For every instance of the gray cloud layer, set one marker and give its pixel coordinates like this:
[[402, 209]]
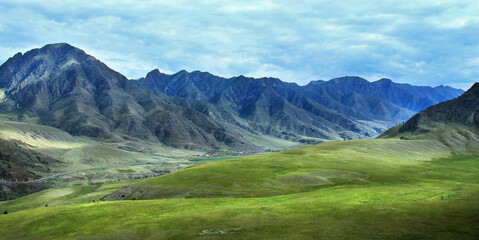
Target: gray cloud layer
[[419, 42]]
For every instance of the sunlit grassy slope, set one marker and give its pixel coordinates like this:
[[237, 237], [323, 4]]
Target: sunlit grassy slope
[[363, 189], [304, 169], [98, 161], [64, 196]]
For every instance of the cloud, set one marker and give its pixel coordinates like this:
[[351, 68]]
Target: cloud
[[254, 6], [423, 43]]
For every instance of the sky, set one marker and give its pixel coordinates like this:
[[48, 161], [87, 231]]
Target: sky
[[427, 42]]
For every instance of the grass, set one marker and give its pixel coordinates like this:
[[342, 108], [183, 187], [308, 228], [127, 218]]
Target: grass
[[64, 196], [99, 160], [213, 159], [358, 161], [363, 189], [271, 143], [221, 158]]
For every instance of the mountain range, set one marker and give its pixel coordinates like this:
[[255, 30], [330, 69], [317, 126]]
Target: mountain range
[[61, 86]]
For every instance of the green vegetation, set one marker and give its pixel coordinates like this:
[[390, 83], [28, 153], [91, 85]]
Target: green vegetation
[[213, 159], [304, 169], [88, 160], [271, 143], [65, 195], [363, 189]]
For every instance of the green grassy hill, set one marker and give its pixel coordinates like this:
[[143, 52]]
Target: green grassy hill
[[328, 164], [363, 189]]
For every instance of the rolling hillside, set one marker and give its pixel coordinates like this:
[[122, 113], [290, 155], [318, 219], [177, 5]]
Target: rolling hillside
[[333, 190]]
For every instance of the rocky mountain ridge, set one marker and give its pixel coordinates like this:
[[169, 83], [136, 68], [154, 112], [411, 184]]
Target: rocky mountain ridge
[[62, 86]]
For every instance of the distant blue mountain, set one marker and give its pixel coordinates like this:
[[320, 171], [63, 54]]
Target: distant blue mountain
[[347, 107]]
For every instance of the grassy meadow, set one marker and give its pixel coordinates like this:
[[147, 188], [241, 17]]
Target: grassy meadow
[[361, 189]]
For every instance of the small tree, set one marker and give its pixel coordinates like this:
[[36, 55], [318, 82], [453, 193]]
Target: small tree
[[5, 212]]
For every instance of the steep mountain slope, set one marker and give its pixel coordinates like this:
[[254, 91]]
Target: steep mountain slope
[[262, 105], [18, 162], [345, 96], [413, 98], [464, 110], [63, 87], [455, 123], [348, 107]]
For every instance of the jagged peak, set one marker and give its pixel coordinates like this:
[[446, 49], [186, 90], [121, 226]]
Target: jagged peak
[[55, 48], [239, 77], [384, 80], [50, 59], [18, 54], [316, 82], [15, 57], [154, 72], [181, 72], [203, 73], [474, 89]]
